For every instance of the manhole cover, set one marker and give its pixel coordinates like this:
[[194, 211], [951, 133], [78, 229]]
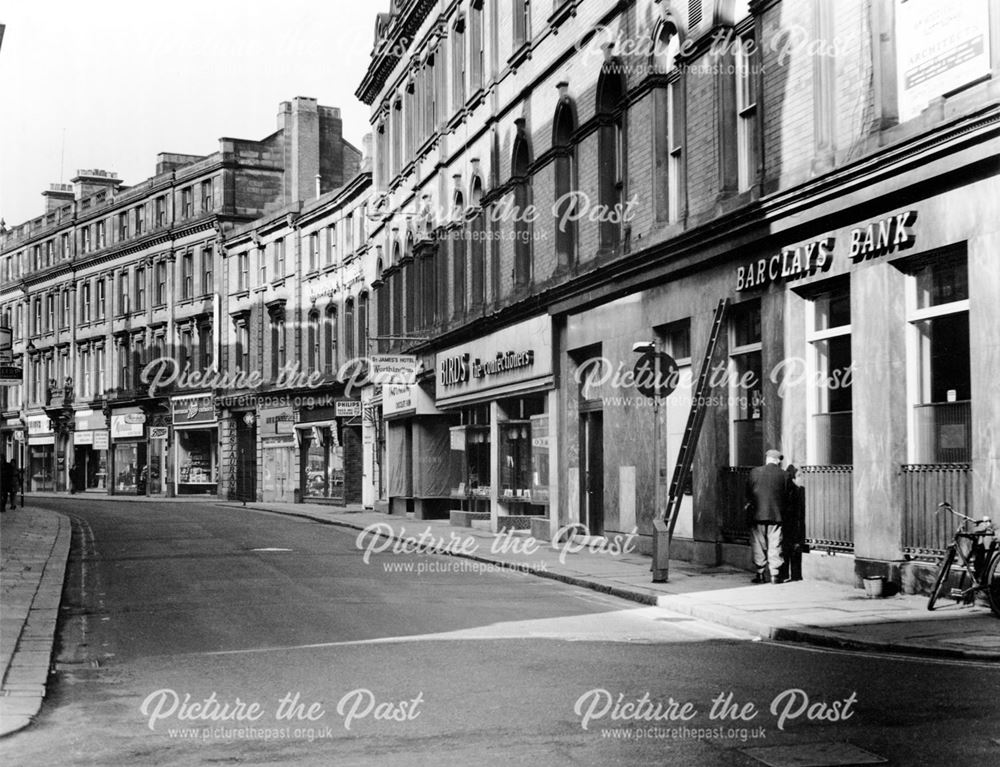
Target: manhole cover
[[813, 755], [269, 548]]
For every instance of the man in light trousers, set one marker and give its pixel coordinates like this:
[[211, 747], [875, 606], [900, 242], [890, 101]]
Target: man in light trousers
[[769, 491]]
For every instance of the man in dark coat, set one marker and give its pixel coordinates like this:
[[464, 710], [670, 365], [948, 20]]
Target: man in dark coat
[[9, 482], [769, 491]]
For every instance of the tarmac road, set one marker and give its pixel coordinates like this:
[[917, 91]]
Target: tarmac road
[[197, 634]]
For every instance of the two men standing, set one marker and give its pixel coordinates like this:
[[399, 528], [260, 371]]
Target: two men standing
[[769, 493]]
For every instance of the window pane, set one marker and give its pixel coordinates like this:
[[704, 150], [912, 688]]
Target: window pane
[[833, 310], [746, 324], [942, 283]]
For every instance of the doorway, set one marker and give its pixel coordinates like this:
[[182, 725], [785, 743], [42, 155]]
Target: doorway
[[592, 470], [245, 481]]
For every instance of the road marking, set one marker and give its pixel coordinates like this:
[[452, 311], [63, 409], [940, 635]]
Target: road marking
[[270, 548]]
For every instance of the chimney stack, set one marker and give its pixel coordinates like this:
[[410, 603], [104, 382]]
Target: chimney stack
[[57, 195], [88, 182]]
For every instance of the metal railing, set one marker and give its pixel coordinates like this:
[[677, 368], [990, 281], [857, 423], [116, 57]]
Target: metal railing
[[927, 534], [829, 506], [735, 525]]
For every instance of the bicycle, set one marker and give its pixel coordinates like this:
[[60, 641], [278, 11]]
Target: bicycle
[[978, 562]]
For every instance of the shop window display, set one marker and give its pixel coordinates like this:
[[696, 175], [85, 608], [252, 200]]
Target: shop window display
[[324, 463], [196, 459], [470, 462]]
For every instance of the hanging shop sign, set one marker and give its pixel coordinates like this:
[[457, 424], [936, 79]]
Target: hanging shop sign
[[159, 432], [347, 408], [277, 420], [393, 369], [129, 426], [100, 440], [90, 420], [511, 359], [400, 401], [873, 240], [199, 408], [39, 424], [83, 438]]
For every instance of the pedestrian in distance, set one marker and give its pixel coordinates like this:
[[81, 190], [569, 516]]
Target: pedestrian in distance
[[768, 492], [9, 482]]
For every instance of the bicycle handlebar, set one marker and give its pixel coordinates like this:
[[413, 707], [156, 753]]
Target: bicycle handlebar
[[948, 507]]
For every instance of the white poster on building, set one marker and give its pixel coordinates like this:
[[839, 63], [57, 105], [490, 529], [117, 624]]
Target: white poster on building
[[940, 47]]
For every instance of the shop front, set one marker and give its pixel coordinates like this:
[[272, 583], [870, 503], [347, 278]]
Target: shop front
[[41, 470], [330, 453], [501, 390], [416, 451], [277, 435], [90, 452], [196, 451], [129, 469]]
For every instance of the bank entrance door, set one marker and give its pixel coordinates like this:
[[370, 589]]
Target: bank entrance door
[[592, 470]]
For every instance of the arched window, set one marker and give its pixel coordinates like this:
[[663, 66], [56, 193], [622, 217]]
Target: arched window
[[396, 292], [312, 342], [410, 287], [349, 330], [476, 229], [382, 309], [330, 343], [611, 152], [563, 126], [363, 324], [669, 131], [457, 236], [520, 162]]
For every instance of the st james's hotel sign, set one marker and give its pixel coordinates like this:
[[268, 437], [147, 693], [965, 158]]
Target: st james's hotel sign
[[873, 240]]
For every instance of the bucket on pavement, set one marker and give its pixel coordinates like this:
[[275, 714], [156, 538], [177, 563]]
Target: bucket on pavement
[[874, 586]]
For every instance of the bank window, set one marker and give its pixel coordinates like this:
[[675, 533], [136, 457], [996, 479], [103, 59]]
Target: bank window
[[65, 314], [746, 392], [50, 313], [187, 201], [676, 338], [940, 373], [828, 333]]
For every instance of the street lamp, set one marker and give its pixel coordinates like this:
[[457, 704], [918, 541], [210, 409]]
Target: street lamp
[[654, 358]]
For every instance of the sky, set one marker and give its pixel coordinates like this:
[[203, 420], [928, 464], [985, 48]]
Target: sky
[[111, 83]]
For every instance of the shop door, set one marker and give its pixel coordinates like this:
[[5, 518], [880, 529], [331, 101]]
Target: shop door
[[592, 471], [245, 481]]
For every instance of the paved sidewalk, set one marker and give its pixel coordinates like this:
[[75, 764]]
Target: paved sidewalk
[[34, 547], [817, 612]]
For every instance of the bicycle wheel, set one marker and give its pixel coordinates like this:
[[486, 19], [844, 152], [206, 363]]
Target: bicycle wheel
[[992, 583], [942, 577]]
